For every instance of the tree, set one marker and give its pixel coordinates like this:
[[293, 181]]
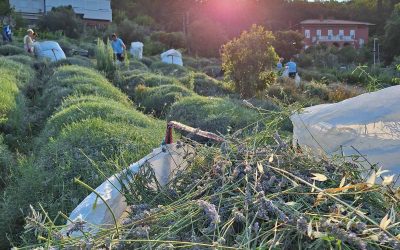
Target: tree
[[62, 19], [206, 38], [248, 61], [5, 8], [288, 43], [392, 35]]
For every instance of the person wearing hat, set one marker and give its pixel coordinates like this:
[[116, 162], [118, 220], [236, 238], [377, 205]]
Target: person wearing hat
[[28, 41], [118, 47]]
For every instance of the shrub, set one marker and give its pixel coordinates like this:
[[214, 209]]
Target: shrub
[[6, 163], [14, 76], [79, 108], [129, 80], [137, 65], [340, 92], [174, 40], [105, 58], [212, 114], [305, 60], [62, 18], [206, 86], [169, 69], [129, 31], [90, 148], [9, 50], [24, 59], [314, 89], [248, 58], [153, 47], [75, 60], [75, 80], [158, 100], [148, 61], [288, 43], [285, 92]]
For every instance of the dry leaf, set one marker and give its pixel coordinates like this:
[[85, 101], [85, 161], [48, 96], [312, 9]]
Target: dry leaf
[[317, 235], [313, 189], [342, 182], [319, 177], [260, 168], [371, 180], [374, 237], [309, 229], [385, 222], [398, 236], [350, 223], [291, 203], [271, 158], [387, 180]]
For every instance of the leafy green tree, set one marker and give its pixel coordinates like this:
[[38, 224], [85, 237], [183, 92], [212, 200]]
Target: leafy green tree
[[206, 38], [5, 8], [62, 19], [288, 43], [392, 35], [248, 61]]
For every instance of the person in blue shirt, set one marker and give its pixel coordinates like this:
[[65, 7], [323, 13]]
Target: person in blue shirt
[[7, 33], [118, 47], [279, 65], [292, 68]]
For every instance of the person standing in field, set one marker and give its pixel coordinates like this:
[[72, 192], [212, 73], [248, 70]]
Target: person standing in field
[[279, 65], [292, 68], [28, 41], [118, 47], [7, 34]]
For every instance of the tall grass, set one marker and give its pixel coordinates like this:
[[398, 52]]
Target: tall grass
[[105, 58]]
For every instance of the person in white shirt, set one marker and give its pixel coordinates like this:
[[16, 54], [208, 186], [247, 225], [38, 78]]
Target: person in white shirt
[[28, 41]]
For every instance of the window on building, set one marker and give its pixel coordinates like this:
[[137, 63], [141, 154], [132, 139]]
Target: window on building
[[318, 33], [361, 42], [330, 34], [307, 33], [352, 34], [341, 34]]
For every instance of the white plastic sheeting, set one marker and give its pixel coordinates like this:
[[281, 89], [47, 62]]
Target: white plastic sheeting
[[369, 123], [172, 57], [137, 50], [165, 161], [50, 50]]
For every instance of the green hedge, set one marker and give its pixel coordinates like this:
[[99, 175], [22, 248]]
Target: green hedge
[[212, 114], [129, 80], [75, 60], [169, 69], [158, 100], [6, 163], [24, 59], [14, 76], [9, 50], [84, 148], [78, 109], [75, 80], [206, 86]]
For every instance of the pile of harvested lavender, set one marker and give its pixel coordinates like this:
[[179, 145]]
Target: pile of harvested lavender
[[242, 196]]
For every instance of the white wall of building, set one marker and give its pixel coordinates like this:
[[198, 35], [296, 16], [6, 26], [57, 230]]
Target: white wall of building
[[90, 9]]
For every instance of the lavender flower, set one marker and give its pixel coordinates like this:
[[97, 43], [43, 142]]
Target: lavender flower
[[210, 211]]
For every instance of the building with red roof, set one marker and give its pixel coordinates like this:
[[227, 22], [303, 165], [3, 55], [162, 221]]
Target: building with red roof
[[338, 33]]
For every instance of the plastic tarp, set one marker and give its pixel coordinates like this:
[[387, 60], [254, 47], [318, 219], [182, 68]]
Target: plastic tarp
[[137, 50], [165, 161], [368, 124], [172, 57], [50, 50]]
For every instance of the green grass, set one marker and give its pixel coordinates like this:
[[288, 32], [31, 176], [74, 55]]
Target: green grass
[[127, 81], [77, 109], [212, 114], [158, 100], [169, 69], [207, 86], [9, 50], [75, 80]]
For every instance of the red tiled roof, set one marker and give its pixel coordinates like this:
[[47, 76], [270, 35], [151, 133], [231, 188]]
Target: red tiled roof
[[333, 22]]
